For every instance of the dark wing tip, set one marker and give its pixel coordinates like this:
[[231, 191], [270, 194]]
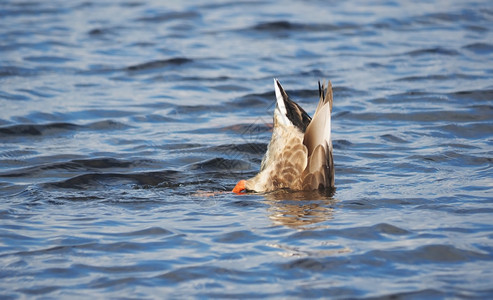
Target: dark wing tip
[[295, 113]]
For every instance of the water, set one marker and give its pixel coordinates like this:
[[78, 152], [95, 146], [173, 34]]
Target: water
[[124, 125]]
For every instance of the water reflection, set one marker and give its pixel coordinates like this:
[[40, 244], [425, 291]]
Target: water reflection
[[299, 209]]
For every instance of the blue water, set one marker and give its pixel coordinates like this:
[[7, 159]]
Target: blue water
[[125, 124]]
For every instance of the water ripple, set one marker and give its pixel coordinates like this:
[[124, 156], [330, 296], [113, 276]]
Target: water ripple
[[125, 125]]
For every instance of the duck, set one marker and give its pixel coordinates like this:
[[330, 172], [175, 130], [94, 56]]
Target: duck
[[299, 155]]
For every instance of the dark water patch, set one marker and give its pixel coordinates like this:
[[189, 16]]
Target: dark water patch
[[45, 45], [41, 117], [36, 93], [18, 154], [157, 103], [200, 109], [12, 237], [437, 50], [411, 97], [301, 265], [229, 4], [48, 59], [315, 73], [390, 229], [199, 272], [441, 77], [265, 101], [394, 24], [375, 232], [103, 163], [182, 146], [52, 250], [107, 283], [170, 16], [36, 130], [39, 290], [271, 96], [471, 130], [149, 232], [142, 44], [78, 198], [233, 295], [473, 211], [459, 146], [60, 273], [345, 92], [230, 88], [12, 96], [248, 129], [220, 163], [31, 9], [419, 294], [394, 139], [475, 28], [6, 71], [77, 165], [56, 128], [480, 48], [250, 133], [464, 16], [283, 25], [101, 113], [455, 158], [115, 247], [221, 78], [104, 32], [153, 118], [234, 149], [341, 144], [131, 4], [159, 64], [97, 31], [236, 237], [106, 125], [124, 195], [144, 267], [430, 254], [360, 204], [246, 203], [475, 95], [100, 69], [321, 291], [190, 87], [278, 25], [104, 116], [431, 116], [168, 179]]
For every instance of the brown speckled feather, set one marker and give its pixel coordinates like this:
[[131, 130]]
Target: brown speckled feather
[[299, 155]]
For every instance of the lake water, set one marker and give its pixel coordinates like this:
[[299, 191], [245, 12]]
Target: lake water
[[125, 124]]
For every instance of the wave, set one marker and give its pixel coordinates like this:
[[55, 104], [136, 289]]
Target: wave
[[158, 64], [54, 128]]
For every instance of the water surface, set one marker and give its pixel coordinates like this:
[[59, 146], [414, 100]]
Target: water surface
[[124, 125]]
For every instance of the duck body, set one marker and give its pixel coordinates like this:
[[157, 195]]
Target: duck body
[[299, 155]]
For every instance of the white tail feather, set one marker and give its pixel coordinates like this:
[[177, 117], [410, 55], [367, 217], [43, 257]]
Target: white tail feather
[[280, 111]]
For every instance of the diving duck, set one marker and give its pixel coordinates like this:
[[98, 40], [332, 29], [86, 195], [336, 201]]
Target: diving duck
[[299, 155]]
